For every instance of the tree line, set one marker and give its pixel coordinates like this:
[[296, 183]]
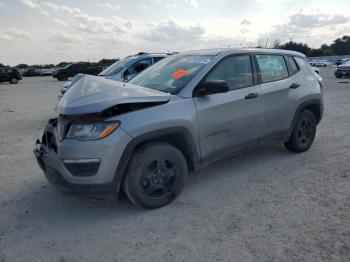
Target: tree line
[[340, 46]]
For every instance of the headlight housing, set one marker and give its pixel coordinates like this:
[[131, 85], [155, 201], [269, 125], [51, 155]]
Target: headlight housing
[[91, 130]]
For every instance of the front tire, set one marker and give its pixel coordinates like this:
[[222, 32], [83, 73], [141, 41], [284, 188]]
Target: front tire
[[303, 134], [62, 77], [155, 176], [13, 80]]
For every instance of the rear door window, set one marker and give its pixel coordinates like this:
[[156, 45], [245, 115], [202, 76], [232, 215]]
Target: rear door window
[[272, 67]]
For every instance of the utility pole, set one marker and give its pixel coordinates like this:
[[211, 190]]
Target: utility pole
[[267, 41]]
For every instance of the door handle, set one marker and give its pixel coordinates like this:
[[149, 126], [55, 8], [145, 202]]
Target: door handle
[[252, 96], [294, 86]]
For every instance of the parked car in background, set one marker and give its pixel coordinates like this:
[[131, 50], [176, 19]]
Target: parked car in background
[[130, 66], [31, 72], [179, 115], [10, 75], [342, 61], [319, 63], [343, 70], [73, 69], [45, 72], [125, 69]]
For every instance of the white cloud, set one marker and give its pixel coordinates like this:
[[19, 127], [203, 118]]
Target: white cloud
[[309, 25], [14, 33], [31, 3], [245, 22], [171, 30], [64, 38], [194, 3], [312, 20], [2, 5], [93, 24], [110, 6], [58, 21], [63, 8]]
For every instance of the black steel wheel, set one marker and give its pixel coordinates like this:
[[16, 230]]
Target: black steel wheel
[[304, 132], [155, 176], [13, 80]]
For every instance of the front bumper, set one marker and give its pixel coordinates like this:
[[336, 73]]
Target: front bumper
[[81, 166]]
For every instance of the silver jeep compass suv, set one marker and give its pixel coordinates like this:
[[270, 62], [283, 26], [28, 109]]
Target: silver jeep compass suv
[[179, 115]]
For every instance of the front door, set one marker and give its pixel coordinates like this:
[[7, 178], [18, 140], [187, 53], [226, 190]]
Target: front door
[[228, 121]]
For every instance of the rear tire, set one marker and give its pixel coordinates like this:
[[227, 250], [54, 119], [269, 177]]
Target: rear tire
[[13, 80], [155, 176], [303, 134]]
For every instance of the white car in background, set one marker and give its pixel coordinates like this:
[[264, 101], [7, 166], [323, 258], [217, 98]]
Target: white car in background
[[319, 63]]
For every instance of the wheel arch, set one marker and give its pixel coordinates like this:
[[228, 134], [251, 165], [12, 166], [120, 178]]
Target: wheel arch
[[179, 137], [314, 105]]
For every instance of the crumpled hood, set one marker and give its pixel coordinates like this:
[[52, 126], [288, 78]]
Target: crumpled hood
[[92, 94]]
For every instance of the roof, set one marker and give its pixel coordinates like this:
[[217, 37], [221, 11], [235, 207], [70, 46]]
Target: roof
[[142, 54], [218, 51]]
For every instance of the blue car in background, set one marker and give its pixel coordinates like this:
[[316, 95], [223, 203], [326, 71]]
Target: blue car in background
[[125, 69]]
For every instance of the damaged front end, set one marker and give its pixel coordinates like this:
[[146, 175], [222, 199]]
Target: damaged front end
[[80, 150]]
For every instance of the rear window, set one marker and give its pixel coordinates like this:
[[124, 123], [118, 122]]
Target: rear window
[[272, 67]]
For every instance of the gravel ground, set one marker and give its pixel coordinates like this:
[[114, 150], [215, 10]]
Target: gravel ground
[[265, 205]]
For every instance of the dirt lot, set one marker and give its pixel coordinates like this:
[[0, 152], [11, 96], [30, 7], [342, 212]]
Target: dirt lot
[[266, 205]]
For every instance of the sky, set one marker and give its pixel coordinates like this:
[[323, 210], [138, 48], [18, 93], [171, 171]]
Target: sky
[[51, 31]]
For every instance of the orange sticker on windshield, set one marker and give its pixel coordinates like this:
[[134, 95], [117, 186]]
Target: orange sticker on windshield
[[179, 73]]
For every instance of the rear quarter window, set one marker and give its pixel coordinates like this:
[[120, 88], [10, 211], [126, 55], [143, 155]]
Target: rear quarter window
[[272, 68], [293, 66]]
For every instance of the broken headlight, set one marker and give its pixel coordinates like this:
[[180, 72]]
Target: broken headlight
[[91, 130]]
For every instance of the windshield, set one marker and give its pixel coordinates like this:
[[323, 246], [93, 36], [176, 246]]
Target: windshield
[[171, 74], [115, 68], [347, 63]]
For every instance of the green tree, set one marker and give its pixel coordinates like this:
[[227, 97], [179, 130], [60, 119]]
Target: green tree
[[107, 62], [294, 46], [22, 66], [341, 46]]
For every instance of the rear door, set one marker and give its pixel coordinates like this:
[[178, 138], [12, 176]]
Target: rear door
[[281, 85], [228, 121]]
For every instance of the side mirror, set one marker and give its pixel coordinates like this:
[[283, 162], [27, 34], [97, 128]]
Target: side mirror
[[211, 87]]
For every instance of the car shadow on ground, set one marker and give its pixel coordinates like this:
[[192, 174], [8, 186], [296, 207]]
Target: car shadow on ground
[[46, 203]]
